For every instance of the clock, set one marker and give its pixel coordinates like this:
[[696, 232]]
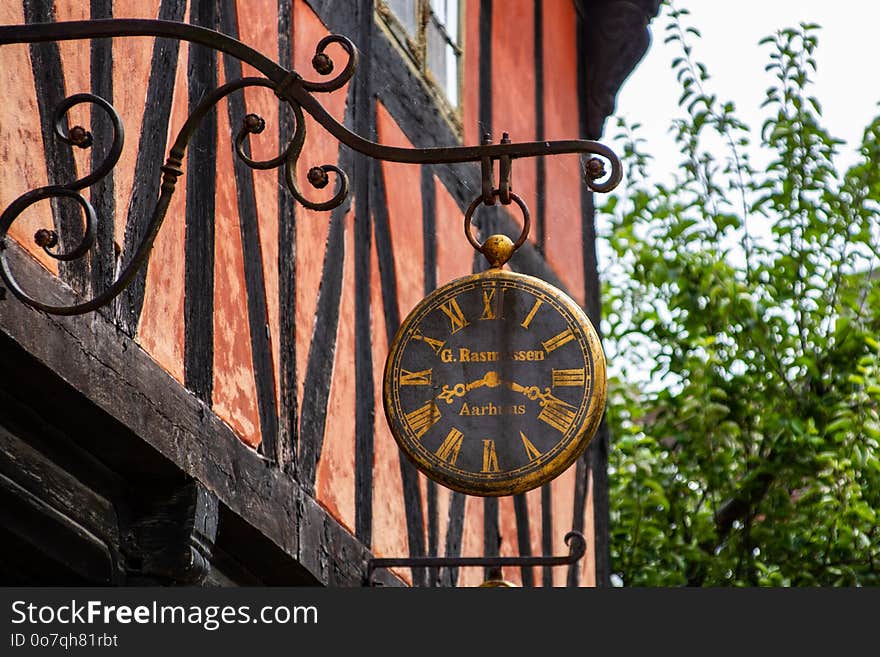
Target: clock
[[495, 383]]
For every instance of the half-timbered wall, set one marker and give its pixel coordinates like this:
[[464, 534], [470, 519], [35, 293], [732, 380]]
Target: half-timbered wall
[[277, 318]]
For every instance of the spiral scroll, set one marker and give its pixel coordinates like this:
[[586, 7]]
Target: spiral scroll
[[252, 124], [47, 238], [287, 85]]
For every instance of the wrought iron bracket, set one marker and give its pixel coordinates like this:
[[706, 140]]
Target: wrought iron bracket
[[575, 540], [288, 85]]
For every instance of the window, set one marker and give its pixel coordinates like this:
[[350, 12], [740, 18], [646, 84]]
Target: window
[[429, 31]]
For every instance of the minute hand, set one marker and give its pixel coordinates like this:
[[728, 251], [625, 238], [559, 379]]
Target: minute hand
[[534, 394]]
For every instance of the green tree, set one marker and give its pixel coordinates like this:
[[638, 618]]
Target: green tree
[[751, 458]]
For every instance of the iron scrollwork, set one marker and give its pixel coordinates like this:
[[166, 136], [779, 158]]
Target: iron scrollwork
[[288, 85], [576, 542]]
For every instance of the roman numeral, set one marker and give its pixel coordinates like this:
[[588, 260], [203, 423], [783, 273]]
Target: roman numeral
[[558, 414], [531, 315], [490, 457], [531, 451], [436, 345], [422, 378], [568, 377], [448, 450], [452, 310], [423, 418], [493, 300], [558, 340]]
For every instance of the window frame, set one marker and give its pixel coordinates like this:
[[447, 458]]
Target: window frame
[[415, 49]]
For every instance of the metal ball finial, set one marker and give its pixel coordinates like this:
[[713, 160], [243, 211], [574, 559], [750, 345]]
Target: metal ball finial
[[498, 249]]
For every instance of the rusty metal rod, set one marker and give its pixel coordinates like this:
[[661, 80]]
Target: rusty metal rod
[[575, 540]]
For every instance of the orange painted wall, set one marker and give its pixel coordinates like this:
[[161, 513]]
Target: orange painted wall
[[335, 484], [319, 148], [161, 329], [404, 201], [235, 396], [513, 88], [21, 143], [389, 519], [258, 28], [470, 104], [563, 236]]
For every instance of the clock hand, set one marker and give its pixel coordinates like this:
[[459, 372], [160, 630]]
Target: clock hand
[[451, 392], [546, 398], [490, 379], [534, 393]]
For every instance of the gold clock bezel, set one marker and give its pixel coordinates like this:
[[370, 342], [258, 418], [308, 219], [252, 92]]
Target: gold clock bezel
[[519, 480]]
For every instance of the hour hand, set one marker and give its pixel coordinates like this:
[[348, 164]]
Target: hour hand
[[490, 379], [449, 393]]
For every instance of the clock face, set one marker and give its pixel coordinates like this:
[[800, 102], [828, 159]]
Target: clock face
[[495, 383]]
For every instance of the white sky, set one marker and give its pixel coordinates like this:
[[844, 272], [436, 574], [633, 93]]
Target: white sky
[[847, 81]]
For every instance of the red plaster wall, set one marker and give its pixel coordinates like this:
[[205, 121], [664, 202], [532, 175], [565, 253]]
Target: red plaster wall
[[319, 148], [131, 73], [513, 90], [454, 259], [404, 201], [21, 143], [470, 97], [258, 28], [161, 329], [235, 396], [564, 241], [335, 478], [389, 516]]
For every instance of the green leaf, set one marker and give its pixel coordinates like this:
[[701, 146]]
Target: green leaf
[[744, 313]]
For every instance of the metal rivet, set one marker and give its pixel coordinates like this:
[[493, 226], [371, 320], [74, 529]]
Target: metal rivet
[[318, 177], [254, 124], [322, 64], [46, 238], [595, 168]]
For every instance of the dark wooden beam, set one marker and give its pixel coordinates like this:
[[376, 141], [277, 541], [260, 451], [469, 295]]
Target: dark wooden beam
[[364, 124], [49, 534], [102, 193], [412, 497], [201, 187], [60, 165], [454, 534], [597, 28], [288, 409], [547, 531], [252, 253], [150, 157], [55, 513], [487, 224], [322, 350], [171, 537], [523, 536], [540, 134], [109, 372], [429, 254], [485, 68], [614, 36]]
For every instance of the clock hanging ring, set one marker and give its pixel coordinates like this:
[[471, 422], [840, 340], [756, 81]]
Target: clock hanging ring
[[495, 382]]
